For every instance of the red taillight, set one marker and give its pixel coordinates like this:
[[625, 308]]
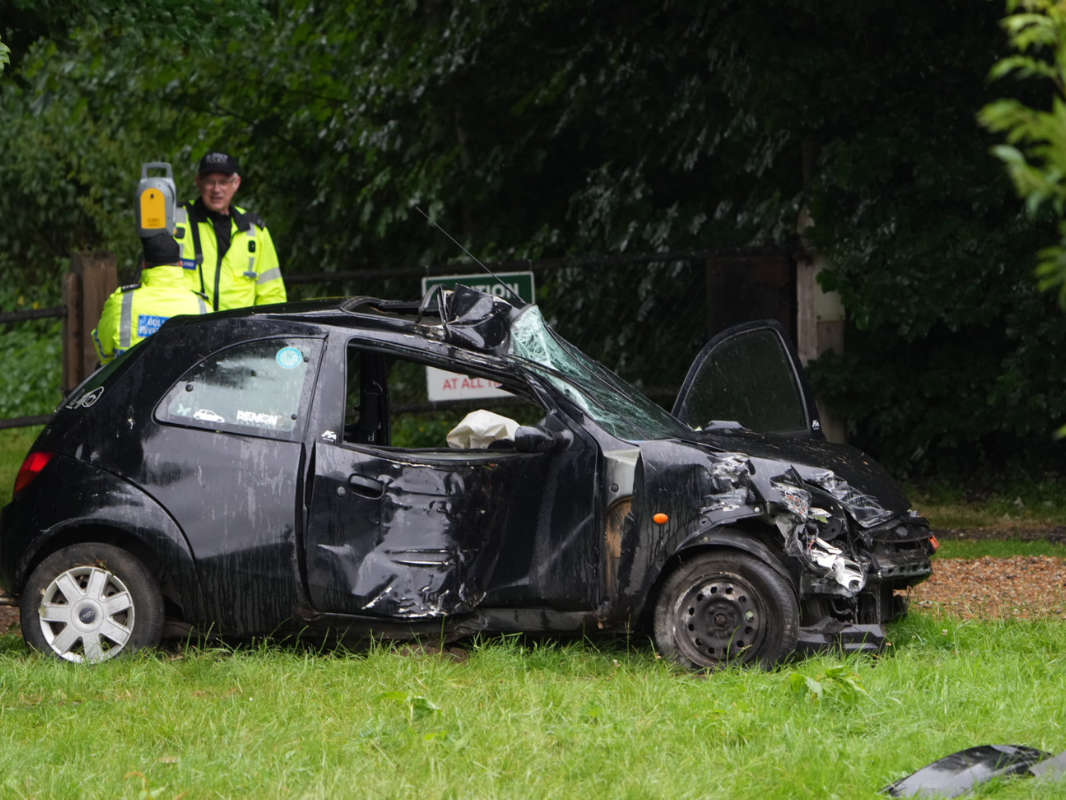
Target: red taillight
[[31, 468], [935, 543]]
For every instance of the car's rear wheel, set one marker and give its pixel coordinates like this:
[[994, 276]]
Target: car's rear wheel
[[725, 607], [90, 602]]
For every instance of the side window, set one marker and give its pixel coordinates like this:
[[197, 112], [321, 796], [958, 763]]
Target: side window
[[388, 403], [261, 387], [747, 378]]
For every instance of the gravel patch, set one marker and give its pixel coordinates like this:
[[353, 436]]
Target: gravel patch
[[1017, 587], [9, 619]]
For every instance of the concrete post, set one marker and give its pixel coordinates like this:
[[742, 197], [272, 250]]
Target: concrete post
[[819, 325]]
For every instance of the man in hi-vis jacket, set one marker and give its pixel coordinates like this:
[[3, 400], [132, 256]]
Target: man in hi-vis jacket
[[227, 252], [135, 312]]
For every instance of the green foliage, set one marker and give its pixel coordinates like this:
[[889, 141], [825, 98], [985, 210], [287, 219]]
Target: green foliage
[[979, 399], [415, 707], [83, 110], [837, 681], [1003, 501], [33, 365], [551, 129], [5, 55], [1035, 153], [427, 429]]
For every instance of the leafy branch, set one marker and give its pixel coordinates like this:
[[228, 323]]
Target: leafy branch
[[1035, 152]]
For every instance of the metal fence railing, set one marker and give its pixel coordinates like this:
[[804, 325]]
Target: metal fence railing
[[11, 317]]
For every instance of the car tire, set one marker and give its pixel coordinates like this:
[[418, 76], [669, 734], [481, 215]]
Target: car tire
[[90, 602], [725, 607]]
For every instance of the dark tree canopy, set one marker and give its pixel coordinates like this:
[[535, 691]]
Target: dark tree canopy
[[556, 128]]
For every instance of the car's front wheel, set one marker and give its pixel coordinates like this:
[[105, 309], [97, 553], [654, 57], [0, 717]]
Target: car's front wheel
[[720, 607], [90, 602]]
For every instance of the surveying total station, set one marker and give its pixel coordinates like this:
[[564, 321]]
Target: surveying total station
[[156, 200]]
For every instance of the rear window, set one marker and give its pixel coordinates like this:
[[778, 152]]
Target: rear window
[[262, 387]]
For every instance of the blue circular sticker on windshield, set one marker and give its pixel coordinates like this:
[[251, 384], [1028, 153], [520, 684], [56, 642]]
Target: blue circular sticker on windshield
[[289, 357]]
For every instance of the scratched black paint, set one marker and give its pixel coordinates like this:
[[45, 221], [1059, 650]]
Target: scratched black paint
[[258, 530]]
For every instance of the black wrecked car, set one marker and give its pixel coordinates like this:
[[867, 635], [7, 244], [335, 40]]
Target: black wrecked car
[[280, 470]]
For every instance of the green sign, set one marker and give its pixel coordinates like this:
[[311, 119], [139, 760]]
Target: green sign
[[521, 283]]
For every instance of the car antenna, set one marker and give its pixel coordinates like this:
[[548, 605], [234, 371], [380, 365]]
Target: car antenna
[[470, 255]]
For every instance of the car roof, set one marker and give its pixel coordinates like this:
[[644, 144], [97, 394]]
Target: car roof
[[464, 317]]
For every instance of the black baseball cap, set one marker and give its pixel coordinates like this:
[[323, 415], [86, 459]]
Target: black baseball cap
[[218, 162], [160, 249]]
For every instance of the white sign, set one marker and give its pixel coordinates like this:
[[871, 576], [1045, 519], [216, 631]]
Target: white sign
[[443, 385]]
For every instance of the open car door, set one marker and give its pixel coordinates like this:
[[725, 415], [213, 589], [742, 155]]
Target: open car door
[[749, 374]]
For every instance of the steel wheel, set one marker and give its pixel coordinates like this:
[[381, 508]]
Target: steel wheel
[[722, 618], [721, 607], [90, 602]]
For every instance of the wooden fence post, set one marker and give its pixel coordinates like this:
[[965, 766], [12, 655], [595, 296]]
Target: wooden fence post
[[72, 331], [92, 277]]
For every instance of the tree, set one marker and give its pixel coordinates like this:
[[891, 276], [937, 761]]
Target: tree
[[556, 128], [1035, 153]]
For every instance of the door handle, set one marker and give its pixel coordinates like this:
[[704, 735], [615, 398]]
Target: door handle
[[367, 487]]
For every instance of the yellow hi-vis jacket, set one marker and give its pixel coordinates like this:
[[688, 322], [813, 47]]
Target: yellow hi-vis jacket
[[248, 273], [135, 312]]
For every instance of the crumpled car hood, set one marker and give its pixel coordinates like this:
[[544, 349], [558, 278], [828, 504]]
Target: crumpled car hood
[[849, 463]]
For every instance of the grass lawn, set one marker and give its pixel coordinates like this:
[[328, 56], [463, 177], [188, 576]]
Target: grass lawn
[[999, 548], [1017, 504], [515, 718], [14, 444], [519, 719]]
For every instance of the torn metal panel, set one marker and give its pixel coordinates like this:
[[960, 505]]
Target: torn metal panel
[[430, 533], [813, 457], [1051, 769], [477, 320], [845, 636], [960, 772], [399, 538]]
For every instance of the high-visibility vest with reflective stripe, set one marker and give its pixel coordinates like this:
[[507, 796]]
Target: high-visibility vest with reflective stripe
[[133, 313], [248, 274]]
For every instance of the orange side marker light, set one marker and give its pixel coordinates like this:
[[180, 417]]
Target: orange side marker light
[[935, 543], [660, 518]]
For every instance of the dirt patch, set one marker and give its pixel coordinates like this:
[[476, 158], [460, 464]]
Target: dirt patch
[[1018, 587], [9, 619]]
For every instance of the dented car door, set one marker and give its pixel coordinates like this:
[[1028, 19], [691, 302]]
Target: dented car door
[[424, 532]]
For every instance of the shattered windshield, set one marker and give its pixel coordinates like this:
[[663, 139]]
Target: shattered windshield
[[621, 409]]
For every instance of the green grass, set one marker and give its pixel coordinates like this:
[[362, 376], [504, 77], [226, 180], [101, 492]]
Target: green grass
[[14, 444], [1015, 503], [524, 720], [999, 548], [518, 719]]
